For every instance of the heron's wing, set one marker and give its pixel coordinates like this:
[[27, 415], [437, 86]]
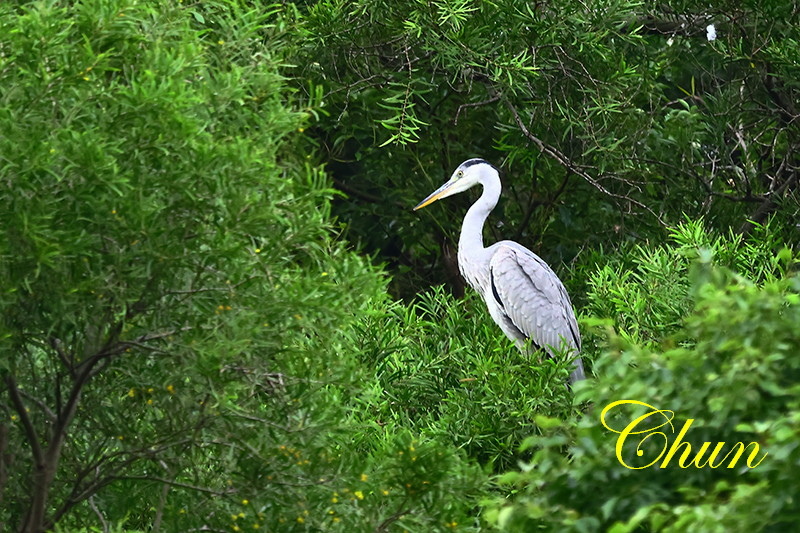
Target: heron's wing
[[532, 297]]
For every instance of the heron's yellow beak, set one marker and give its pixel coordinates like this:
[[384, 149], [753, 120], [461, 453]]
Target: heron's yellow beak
[[439, 193]]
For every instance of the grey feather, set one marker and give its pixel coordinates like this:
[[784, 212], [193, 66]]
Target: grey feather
[[534, 300]]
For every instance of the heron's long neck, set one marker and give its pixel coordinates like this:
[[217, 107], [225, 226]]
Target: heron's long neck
[[472, 228]]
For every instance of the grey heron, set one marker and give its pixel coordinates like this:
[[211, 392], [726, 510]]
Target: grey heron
[[523, 294]]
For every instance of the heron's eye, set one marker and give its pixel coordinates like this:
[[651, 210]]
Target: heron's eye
[[460, 174]]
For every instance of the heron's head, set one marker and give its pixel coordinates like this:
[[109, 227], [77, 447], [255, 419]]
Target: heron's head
[[469, 173]]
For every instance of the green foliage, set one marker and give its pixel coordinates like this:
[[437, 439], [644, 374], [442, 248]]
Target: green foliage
[[174, 309], [729, 363], [187, 344], [646, 293], [443, 368], [611, 120]]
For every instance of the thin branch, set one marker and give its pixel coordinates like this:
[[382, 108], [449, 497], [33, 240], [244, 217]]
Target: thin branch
[[162, 502], [178, 484], [768, 206], [383, 526], [41, 405], [68, 362], [569, 165], [99, 514], [367, 197], [488, 101], [30, 431]]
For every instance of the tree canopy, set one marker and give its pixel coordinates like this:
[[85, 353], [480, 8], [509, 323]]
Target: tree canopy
[[218, 312]]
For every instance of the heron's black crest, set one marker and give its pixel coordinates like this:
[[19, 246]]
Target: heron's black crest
[[477, 161]]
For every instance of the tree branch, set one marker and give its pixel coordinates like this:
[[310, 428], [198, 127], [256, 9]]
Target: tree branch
[[30, 431], [572, 167], [383, 526], [768, 205], [488, 101]]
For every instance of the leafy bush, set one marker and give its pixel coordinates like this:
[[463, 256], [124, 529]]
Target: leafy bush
[[610, 120], [174, 303], [729, 363], [444, 368], [188, 344]]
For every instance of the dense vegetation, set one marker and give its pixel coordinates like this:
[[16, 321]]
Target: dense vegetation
[[218, 313]]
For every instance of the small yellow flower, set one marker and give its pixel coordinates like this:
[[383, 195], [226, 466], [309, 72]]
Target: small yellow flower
[[150, 390], [300, 520], [324, 274], [245, 502], [150, 401], [258, 250], [333, 500], [236, 528], [364, 477], [359, 494], [170, 389], [113, 211], [385, 492], [13, 418], [220, 42], [301, 130], [121, 437], [241, 515], [336, 519], [132, 393]]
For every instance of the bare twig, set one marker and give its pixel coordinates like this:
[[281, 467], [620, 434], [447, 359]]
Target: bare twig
[[172, 483], [99, 514], [383, 526], [162, 501], [41, 405], [572, 167], [488, 101], [768, 205], [30, 431]]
